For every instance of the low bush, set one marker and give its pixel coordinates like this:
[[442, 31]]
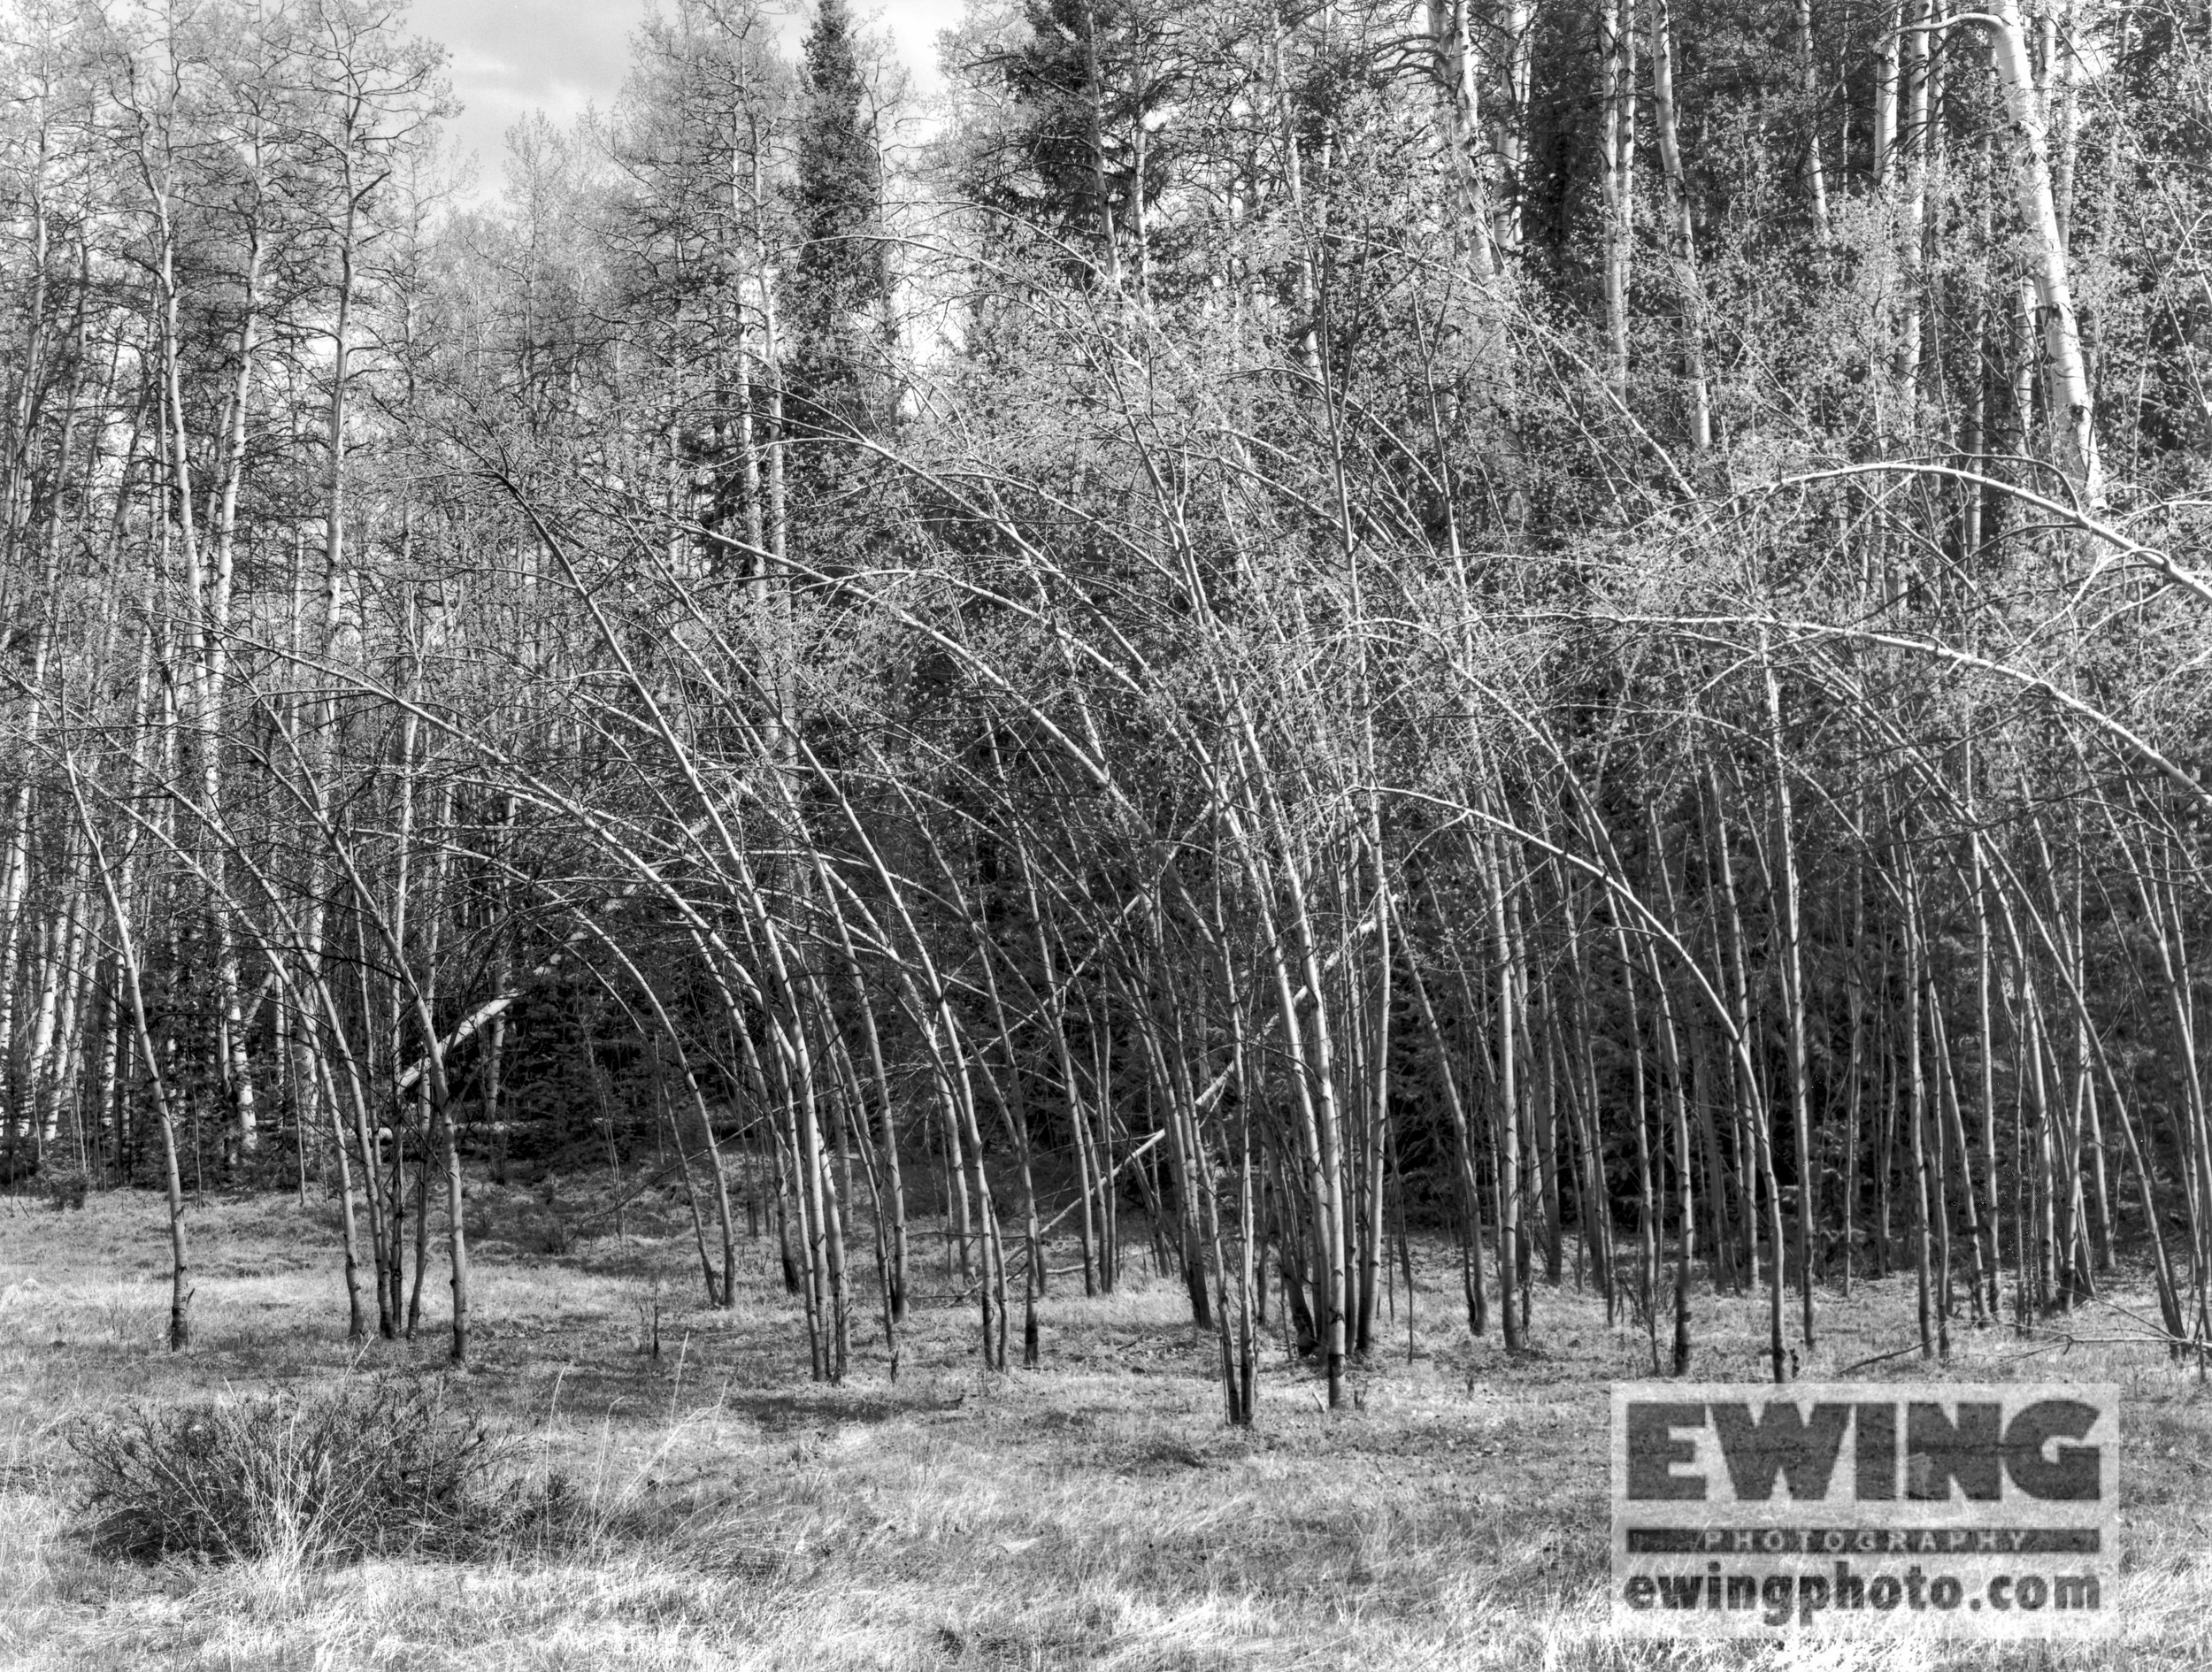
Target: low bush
[[66, 1189], [370, 1468]]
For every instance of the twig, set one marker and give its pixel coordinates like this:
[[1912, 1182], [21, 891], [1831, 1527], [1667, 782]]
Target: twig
[[1045, 1230], [2159, 1332], [1880, 1358]]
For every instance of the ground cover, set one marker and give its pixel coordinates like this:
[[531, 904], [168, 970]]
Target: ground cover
[[1096, 1512]]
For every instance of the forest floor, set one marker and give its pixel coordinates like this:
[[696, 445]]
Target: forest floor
[[1095, 1513]]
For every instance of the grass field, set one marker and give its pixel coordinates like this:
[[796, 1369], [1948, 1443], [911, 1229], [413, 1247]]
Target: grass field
[[1095, 1513]]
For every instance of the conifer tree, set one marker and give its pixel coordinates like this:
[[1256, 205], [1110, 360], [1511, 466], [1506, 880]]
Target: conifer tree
[[1080, 151], [839, 287]]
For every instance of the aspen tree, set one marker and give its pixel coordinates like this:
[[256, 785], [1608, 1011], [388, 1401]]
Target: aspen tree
[[2036, 201], [1681, 229], [127, 951]]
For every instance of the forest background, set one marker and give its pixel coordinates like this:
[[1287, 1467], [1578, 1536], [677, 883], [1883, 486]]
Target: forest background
[[1324, 648]]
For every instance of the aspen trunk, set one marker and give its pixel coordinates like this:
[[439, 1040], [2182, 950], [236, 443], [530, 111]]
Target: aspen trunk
[[1617, 167], [1469, 1187], [172, 1180], [1512, 1261], [1916, 1117], [1793, 987], [1681, 229], [2072, 404], [1815, 174]]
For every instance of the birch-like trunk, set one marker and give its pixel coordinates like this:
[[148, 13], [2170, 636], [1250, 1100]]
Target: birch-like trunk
[[2072, 403]]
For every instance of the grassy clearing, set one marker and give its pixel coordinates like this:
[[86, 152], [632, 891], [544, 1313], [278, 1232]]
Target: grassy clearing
[[1096, 1513]]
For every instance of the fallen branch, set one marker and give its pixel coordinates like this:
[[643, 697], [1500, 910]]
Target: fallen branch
[[1045, 1230]]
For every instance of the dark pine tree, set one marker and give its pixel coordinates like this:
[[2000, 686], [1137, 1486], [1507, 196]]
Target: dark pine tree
[[1086, 152], [840, 293]]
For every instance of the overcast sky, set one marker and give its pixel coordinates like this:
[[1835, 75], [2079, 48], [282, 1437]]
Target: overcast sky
[[512, 56]]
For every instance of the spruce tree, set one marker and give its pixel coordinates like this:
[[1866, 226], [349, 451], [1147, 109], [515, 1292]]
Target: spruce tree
[[839, 289], [1083, 156]]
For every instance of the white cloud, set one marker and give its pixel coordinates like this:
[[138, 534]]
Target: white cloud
[[512, 56]]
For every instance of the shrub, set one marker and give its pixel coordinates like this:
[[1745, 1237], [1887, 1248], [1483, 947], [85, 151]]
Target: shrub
[[66, 1190], [368, 1468]]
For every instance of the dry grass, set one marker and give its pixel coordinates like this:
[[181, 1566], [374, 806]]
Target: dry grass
[[1095, 1513]]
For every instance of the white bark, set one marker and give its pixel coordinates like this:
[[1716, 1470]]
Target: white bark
[[1451, 37], [2072, 404], [1681, 226], [1616, 165]]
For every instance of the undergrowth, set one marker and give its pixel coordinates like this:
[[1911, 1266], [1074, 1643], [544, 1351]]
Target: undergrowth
[[383, 1466]]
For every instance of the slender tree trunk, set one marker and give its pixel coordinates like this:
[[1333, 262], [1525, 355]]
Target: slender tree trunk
[[1681, 230]]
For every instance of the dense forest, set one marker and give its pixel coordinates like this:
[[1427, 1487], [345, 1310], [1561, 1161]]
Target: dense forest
[[1265, 631]]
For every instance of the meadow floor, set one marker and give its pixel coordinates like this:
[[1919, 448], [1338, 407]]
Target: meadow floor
[[1095, 1513]]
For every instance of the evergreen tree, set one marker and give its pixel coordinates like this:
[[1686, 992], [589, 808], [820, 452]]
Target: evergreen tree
[[840, 291], [1080, 151]]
